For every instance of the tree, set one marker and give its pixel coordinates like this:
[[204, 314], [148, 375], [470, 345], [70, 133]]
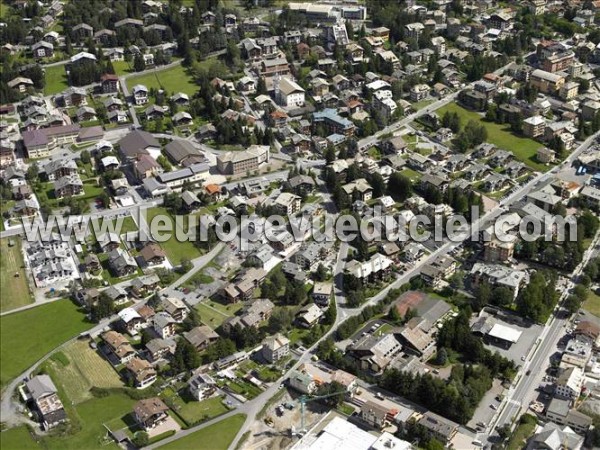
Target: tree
[[138, 63], [186, 265], [186, 357], [321, 273], [104, 308], [441, 357], [281, 320], [336, 392], [399, 187], [141, 439], [85, 156], [32, 172]]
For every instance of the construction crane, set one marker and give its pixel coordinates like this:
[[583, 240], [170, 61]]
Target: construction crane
[[304, 400]]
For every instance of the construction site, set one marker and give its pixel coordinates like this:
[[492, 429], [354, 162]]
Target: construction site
[[280, 425]]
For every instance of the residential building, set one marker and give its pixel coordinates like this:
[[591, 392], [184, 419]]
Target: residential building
[[140, 372], [42, 391], [164, 325], [201, 337], [288, 203], [374, 353], [321, 293], [438, 427], [234, 163], [275, 348], [568, 385], [309, 315], [559, 412], [201, 386], [374, 268], [150, 413], [289, 93], [176, 308], [546, 82], [117, 347], [534, 126], [252, 315]]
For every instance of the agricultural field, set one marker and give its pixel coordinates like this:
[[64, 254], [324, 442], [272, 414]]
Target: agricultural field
[[27, 336], [173, 79], [524, 149], [56, 80], [214, 437], [13, 279], [80, 368]]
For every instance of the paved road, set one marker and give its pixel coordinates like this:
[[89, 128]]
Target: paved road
[[523, 390]]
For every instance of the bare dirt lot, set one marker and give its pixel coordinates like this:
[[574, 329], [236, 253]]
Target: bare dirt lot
[[278, 436]]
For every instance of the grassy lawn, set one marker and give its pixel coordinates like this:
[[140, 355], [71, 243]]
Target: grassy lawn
[[413, 175], [175, 79], [592, 304], [112, 411], [521, 434], [214, 317], [215, 437], [56, 80], [85, 368], [193, 411], [524, 149], [5, 9], [17, 438], [176, 251], [422, 104], [15, 291], [122, 67], [28, 335]]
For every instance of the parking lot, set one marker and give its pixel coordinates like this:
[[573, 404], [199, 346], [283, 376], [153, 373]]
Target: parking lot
[[519, 350]]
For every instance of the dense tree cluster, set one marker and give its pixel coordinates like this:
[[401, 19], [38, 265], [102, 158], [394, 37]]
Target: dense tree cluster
[[456, 335], [537, 300], [455, 398], [471, 136]]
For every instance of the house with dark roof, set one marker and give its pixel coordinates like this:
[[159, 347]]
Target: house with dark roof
[[48, 406], [138, 143], [183, 153]]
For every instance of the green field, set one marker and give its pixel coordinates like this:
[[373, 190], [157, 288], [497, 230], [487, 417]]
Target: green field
[[176, 251], [214, 437], [519, 438], [28, 335], [112, 411], [592, 304], [122, 67], [193, 411], [17, 438], [85, 369], [174, 79], [56, 80], [524, 149], [15, 291]]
